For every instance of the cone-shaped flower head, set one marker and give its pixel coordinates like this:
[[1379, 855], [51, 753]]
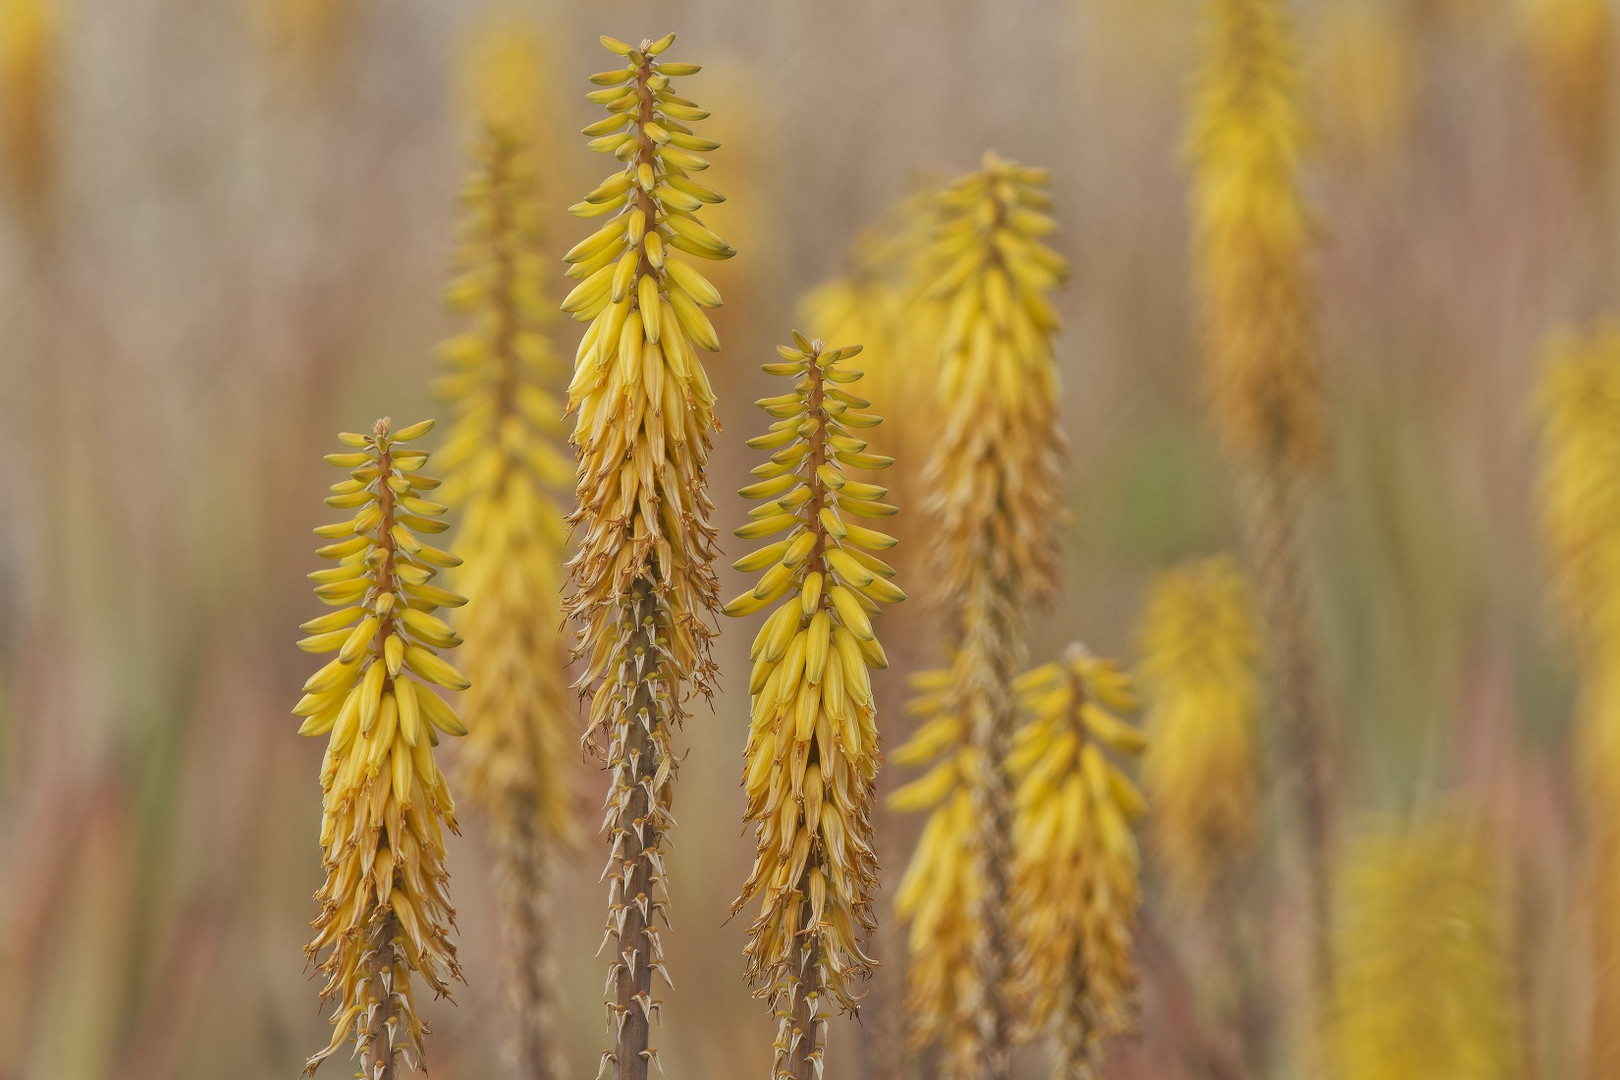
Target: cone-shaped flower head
[[385, 913], [642, 581], [1250, 233], [995, 503], [994, 472], [1078, 879], [812, 754], [503, 460], [1200, 671], [1424, 988]]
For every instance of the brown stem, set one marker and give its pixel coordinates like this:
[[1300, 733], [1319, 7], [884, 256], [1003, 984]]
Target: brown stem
[[988, 652], [380, 988], [524, 898], [641, 738], [1275, 517]]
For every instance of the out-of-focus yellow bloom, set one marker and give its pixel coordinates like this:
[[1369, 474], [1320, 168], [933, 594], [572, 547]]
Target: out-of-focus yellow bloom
[[503, 461], [28, 56], [643, 584], [502, 70], [1424, 988], [1366, 71], [385, 909], [878, 302], [1572, 45], [1579, 399], [995, 504], [1250, 235], [994, 474], [1200, 671], [812, 754], [1078, 880]]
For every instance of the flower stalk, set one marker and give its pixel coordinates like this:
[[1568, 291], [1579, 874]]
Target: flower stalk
[[503, 460], [642, 581], [995, 504], [812, 755], [1251, 233], [385, 911]]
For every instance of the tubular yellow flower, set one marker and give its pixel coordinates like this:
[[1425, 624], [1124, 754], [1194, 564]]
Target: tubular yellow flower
[[642, 582], [944, 883], [1077, 884], [1250, 233], [502, 461], [812, 754], [1200, 669], [1424, 987], [993, 479], [28, 42], [385, 910]]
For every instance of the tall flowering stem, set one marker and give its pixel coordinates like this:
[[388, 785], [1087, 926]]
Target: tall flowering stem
[[996, 505], [642, 583], [1251, 234], [812, 756], [1077, 882], [385, 910], [503, 460]]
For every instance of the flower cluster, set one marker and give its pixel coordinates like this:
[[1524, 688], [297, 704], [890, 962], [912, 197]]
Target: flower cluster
[[643, 584], [1200, 670], [1077, 881], [385, 908], [812, 754]]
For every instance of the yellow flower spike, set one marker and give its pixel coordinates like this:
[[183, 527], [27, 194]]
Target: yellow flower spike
[[1251, 234], [505, 463], [642, 584], [1579, 399], [1251, 237], [1200, 670], [384, 809], [995, 509], [1077, 880], [1424, 986], [809, 780]]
